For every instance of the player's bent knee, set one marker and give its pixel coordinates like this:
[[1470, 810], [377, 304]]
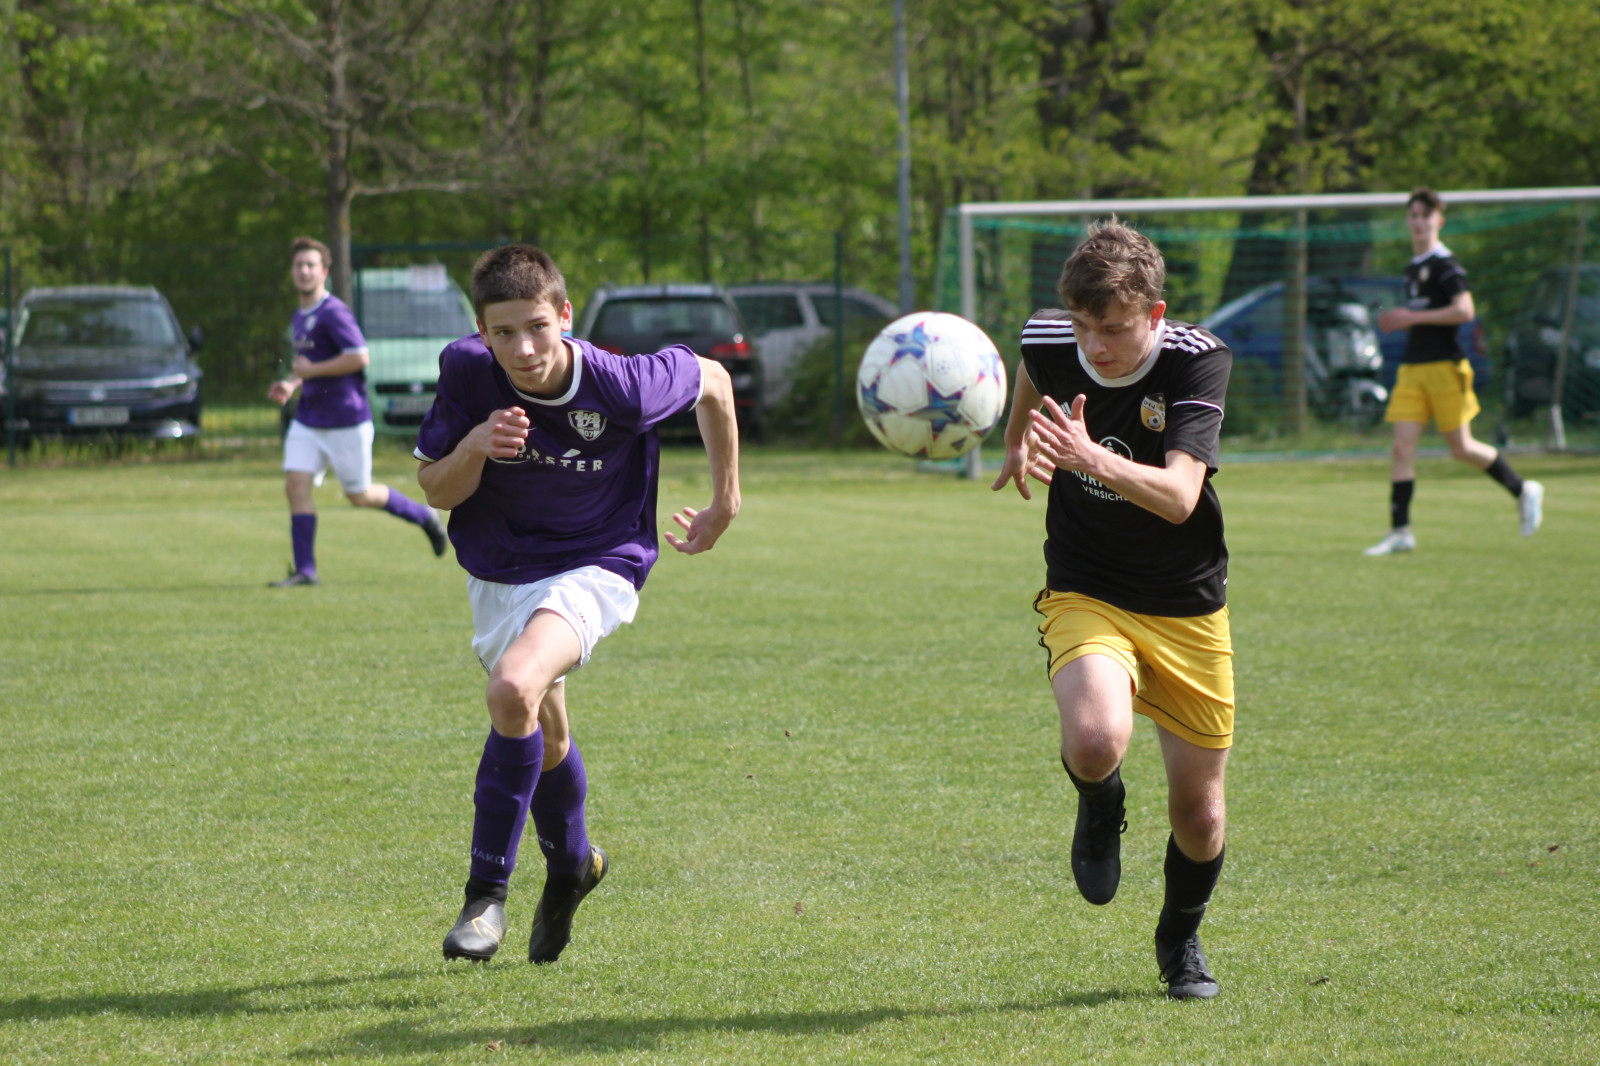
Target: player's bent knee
[[513, 702], [1092, 756], [1201, 825]]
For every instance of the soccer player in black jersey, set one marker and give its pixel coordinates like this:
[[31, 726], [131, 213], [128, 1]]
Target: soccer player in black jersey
[[1435, 379], [1134, 612]]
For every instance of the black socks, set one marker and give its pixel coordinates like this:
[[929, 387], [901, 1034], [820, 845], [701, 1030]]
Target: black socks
[[1189, 886], [1501, 471], [1099, 793], [1400, 503]]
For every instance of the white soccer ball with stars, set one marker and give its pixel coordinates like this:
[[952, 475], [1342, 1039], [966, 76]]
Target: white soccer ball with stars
[[931, 385]]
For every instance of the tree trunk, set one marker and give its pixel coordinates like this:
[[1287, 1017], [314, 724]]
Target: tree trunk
[[339, 187], [702, 80]]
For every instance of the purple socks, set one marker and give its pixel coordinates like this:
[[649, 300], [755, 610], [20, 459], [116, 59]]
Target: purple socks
[[402, 506], [558, 814], [507, 775], [303, 535]]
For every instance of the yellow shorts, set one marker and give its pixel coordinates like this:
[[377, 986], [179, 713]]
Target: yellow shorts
[[1442, 391], [1181, 669]]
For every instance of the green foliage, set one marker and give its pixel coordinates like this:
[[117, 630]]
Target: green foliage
[[823, 763], [147, 141]]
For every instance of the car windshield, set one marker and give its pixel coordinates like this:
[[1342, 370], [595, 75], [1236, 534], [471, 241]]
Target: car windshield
[[101, 323], [392, 313], [854, 310], [663, 317], [767, 312]]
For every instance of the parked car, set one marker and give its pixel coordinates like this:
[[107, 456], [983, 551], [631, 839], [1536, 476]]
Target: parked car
[[408, 315], [104, 359], [787, 318], [1343, 356], [1260, 311], [636, 319], [1535, 340]]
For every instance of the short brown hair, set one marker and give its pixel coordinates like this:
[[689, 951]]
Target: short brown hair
[[301, 244], [1427, 198], [516, 272], [1114, 262]]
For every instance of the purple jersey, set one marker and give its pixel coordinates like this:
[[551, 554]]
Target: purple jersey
[[321, 333], [582, 492]]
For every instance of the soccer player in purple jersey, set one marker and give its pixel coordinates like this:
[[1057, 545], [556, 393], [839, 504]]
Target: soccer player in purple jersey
[[333, 424], [544, 451]]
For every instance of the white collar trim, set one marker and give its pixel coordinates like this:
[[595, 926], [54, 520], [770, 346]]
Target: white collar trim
[[572, 390], [1139, 374], [1437, 249]]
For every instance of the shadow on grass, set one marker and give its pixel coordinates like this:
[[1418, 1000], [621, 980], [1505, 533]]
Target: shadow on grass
[[211, 1002], [635, 1033]]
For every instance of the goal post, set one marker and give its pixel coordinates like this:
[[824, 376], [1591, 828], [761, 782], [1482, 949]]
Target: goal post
[[1290, 268]]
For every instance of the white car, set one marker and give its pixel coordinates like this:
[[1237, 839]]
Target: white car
[[787, 318]]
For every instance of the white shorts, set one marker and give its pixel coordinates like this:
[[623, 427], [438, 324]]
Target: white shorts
[[348, 449], [593, 600]]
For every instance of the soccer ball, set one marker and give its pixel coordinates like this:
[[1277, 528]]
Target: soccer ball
[[931, 385]]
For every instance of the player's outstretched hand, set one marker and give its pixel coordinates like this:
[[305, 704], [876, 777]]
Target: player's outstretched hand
[[702, 528], [1023, 462], [501, 435], [1064, 437], [280, 391]]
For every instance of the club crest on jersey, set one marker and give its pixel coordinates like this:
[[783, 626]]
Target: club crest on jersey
[[589, 424], [1153, 412], [311, 323], [1422, 275]]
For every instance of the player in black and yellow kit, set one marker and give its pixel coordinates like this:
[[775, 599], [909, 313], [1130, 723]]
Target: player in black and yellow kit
[[1134, 612], [1435, 379]]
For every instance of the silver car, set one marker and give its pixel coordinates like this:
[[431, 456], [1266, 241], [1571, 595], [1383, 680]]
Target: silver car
[[787, 318]]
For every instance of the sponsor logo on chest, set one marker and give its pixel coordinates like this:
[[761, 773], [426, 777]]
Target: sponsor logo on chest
[[572, 460], [1094, 486]]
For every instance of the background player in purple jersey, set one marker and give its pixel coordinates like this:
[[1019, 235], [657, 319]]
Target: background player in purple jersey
[[333, 424], [1134, 611], [1435, 379], [544, 451]]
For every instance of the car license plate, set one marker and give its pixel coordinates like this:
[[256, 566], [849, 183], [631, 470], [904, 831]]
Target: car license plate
[[97, 416], [410, 405]]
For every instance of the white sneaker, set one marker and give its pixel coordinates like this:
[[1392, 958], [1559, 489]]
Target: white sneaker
[[1398, 540], [1531, 506]]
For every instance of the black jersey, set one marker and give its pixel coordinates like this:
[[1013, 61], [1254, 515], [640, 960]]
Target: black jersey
[[1432, 282], [1100, 544]]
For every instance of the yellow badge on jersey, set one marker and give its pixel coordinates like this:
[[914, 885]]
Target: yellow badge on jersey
[[1153, 412]]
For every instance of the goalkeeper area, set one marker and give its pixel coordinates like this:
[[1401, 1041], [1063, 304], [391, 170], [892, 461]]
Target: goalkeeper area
[[1295, 284]]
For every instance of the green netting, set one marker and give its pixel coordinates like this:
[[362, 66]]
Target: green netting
[[1238, 271]]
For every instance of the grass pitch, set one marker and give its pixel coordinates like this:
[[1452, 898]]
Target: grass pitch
[[233, 820]]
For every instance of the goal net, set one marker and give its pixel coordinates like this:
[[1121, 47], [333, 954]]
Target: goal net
[[1295, 285]]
